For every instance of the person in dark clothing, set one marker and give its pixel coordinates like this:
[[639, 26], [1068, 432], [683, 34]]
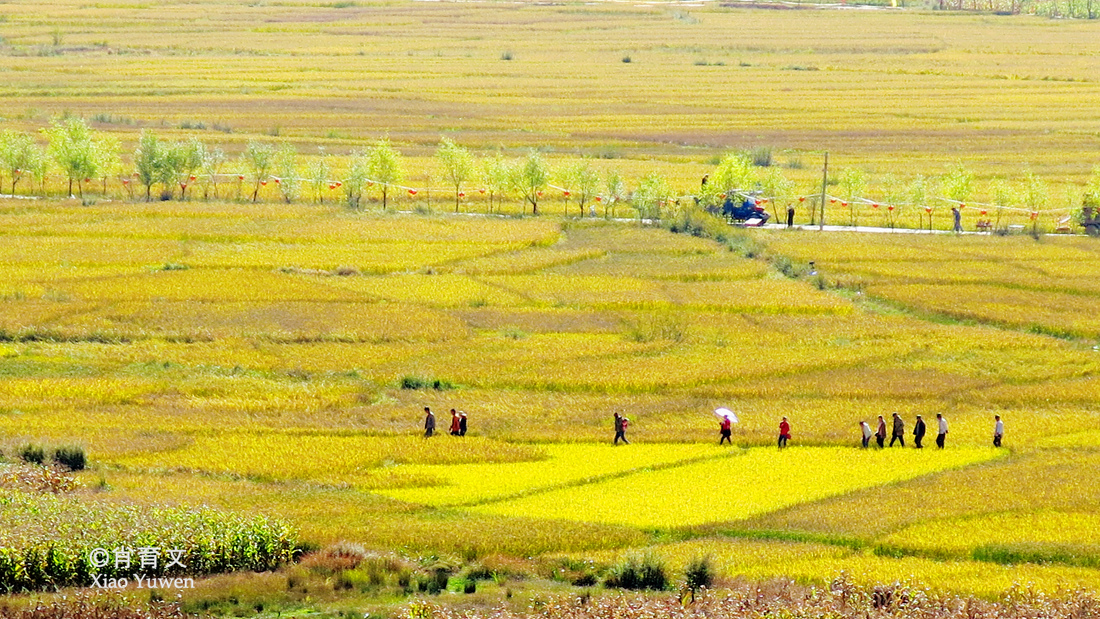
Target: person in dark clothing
[[790, 215], [620, 429], [957, 214], [462, 424], [998, 430], [725, 432], [455, 424], [899, 431], [784, 433], [918, 432], [429, 422], [880, 434]]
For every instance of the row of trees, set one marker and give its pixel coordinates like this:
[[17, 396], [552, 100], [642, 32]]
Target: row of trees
[[165, 169]]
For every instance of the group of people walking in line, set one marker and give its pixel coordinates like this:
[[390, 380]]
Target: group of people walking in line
[[920, 429], [458, 423]]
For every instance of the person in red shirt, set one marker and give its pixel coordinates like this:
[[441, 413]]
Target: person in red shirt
[[455, 423], [725, 433], [784, 433]]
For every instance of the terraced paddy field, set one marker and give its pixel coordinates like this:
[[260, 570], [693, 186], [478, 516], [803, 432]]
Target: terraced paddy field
[[267, 371]]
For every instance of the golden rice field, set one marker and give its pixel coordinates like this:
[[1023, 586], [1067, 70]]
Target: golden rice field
[[273, 360], [251, 375]]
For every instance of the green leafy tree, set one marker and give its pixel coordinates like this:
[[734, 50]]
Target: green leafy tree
[[73, 149], [212, 163], [191, 155], [853, 183], [19, 155], [109, 162], [615, 189], [778, 189], [1090, 197], [286, 170], [385, 167], [317, 174], [148, 160], [497, 174], [958, 184], [258, 158], [1002, 194], [918, 191], [735, 173], [1036, 195], [651, 195], [356, 178], [457, 164], [582, 181], [895, 198], [529, 179]]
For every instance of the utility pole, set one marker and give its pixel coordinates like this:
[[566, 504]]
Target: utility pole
[[824, 184]]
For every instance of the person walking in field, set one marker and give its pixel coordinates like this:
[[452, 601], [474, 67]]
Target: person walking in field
[[620, 428], [455, 423], [784, 433], [919, 430], [880, 433], [462, 424], [941, 436], [998, 430], [725, 432], [867, 434], [899, 431], [429, 422]]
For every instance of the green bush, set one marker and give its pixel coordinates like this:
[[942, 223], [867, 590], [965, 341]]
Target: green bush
[[699, 574], [419, 382], [70, 457], [639, 572], [32, 454]]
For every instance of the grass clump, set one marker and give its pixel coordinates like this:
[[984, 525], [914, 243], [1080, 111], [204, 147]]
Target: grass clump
[[32, 454], [638, 572], [71, 457], [420, 382]]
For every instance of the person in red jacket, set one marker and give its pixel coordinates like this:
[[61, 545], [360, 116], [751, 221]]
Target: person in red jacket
[[725, 433], [784, 433], [456, 424]]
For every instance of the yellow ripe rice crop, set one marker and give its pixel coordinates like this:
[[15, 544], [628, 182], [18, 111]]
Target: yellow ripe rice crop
[[819, 564], [1045, 480], [736, 487], [329, 458], [431, 290], [717, 265], [1077, 531], [1057, 312], [525, 261], [609, 292], [567, 464]]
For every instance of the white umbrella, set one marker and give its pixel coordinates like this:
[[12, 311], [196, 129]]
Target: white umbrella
[[725, 413]]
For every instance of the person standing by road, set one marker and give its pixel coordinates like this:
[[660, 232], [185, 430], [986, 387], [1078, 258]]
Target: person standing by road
[[998, 430], [725, 431], [957, 214], [784, 433], [429, 422], [899, 431], [941, 436], [880, 434], [919, 430], [620, 429], [867, 434]]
